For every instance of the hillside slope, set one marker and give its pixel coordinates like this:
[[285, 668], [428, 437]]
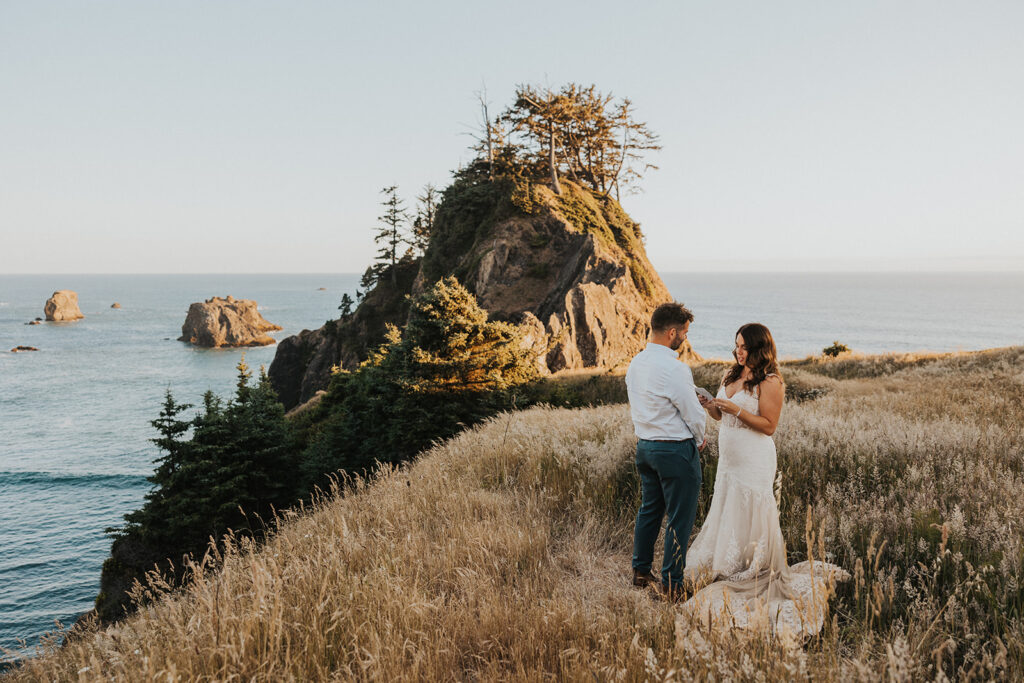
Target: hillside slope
[[504, 553]]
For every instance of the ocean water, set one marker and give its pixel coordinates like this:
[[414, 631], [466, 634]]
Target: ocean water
[[869, 312], [74, 416]]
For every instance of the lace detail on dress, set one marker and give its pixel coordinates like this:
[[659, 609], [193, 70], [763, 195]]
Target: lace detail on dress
[[734, 543], [740, 545], [745, 400]]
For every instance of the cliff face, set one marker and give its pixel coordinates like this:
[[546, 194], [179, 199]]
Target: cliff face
[[302, 363], [570, 269]]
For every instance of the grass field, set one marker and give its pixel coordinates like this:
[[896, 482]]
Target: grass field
[[503, 554]]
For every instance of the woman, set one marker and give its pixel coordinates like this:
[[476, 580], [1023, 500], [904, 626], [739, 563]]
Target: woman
[[740, 546]]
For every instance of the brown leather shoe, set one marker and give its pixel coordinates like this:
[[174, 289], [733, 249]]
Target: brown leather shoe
[[645, 579]]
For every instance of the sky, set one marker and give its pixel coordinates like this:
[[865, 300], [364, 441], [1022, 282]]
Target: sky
[[145, 136]]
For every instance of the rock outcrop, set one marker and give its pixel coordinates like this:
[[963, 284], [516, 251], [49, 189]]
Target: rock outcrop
[[302, 363], [115, 305], [18, 349], [569, 269], [62, 306], [226, 322]]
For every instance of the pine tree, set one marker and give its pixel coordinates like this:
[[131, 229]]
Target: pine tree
[[391, 232], [346, 307], [448, 368], [423, 224], [239, 466], [581, 133]]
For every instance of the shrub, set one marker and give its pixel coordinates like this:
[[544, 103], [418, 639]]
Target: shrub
[[836, 349]]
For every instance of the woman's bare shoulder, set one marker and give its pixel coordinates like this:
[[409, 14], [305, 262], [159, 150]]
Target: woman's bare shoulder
[[772, 384]]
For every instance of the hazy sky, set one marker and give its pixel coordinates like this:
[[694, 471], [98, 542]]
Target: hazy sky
[[146, 136]]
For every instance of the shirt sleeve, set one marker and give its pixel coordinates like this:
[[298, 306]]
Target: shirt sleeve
[[684, 398]]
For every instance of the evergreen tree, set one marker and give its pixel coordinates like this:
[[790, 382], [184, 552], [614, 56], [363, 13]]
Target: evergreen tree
[[391, 233], [423, 224], [449, 368], [346, 306], [367, 281], [238, 467], [581, 133]]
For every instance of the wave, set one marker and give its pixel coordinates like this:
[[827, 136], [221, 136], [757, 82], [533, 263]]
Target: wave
[[64, 479]]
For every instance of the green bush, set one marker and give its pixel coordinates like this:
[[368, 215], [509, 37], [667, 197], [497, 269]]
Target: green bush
[[836, 349]]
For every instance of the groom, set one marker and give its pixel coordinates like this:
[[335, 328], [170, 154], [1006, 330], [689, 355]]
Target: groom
[[669, 422]]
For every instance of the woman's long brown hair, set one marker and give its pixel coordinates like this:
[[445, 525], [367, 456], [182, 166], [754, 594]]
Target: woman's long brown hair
[[761, 356]]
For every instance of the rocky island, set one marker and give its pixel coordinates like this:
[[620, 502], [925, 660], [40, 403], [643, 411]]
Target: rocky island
[[569, 268], [62, 306], [226, 321]]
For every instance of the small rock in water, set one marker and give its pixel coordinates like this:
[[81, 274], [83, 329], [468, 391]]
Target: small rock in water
[[33, 322], [322, 289], [115, 305], [16, 349]]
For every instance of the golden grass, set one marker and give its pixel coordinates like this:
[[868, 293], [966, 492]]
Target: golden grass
[[503, 554]]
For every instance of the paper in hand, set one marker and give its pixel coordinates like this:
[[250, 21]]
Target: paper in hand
[[703, 393]]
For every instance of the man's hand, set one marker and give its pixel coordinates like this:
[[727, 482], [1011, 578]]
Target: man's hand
[[703, 445]]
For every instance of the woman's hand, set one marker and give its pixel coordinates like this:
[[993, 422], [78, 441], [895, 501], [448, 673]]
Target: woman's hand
[[726, 406], [709, 405]]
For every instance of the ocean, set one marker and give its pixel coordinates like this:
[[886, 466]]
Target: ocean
[[75, 415]]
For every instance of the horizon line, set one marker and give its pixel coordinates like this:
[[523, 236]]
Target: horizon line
[[885, 271]]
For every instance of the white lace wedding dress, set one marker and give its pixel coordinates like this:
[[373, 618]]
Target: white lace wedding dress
[[740, 546]]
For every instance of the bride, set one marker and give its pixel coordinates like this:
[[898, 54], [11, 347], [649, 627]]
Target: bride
[[740, 548]]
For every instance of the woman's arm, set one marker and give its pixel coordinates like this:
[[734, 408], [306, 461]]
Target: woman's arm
[[769, 405]]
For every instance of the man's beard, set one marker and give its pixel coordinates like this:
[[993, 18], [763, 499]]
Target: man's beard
[[675, 344]]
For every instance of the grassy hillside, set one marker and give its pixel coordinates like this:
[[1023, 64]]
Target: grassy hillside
[[504, 553]]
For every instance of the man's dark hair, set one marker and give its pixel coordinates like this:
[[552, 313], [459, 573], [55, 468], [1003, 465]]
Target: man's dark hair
[[670, 315]]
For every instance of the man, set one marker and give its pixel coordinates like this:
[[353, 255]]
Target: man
[[669, 422]]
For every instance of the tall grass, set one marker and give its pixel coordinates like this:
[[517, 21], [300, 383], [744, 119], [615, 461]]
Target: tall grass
[[504, 553]]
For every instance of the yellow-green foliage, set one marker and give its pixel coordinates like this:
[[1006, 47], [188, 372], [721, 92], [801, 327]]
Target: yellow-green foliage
[[604, 218], [504, 554]]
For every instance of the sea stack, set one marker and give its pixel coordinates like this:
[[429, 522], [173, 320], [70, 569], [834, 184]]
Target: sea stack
[[62, 306], [570, 270], [226, 321]]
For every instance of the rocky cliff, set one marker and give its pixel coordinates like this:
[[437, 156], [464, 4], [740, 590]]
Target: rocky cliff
[[302, 363], [570, 269]]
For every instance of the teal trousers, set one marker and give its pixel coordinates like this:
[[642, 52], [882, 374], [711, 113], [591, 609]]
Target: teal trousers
[[670, 479]]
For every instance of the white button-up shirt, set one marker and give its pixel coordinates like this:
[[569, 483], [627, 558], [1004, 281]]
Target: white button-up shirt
[[662, 399]]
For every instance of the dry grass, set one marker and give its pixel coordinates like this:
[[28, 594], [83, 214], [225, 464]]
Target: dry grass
[[504, 553]]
